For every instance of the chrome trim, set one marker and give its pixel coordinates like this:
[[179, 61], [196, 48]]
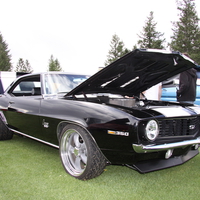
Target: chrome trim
[[31, 137], [139, 148], [3, 118]]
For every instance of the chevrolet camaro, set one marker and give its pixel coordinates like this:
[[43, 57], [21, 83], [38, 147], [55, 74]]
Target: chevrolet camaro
[[101, 120]]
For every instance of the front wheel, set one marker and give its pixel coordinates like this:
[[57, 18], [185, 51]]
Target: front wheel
[[79, 154]]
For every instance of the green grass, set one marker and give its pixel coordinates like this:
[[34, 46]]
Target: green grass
[[33, 171]]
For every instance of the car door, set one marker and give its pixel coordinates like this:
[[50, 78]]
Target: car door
[[23, 106]]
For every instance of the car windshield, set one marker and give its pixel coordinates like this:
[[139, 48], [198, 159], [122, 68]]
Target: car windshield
[[62, 83]]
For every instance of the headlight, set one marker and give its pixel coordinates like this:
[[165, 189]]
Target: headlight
[[151, 130]]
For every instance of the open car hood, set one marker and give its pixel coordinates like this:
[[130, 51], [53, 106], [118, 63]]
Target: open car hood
[[135, 72]]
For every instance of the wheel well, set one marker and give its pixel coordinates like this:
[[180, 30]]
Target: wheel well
[[62, 124], [60, 127]]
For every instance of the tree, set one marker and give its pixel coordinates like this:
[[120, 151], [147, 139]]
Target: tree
[[54, 65], [5, 57], [23, 66], [117, 50], [186, 31], [150, 38]]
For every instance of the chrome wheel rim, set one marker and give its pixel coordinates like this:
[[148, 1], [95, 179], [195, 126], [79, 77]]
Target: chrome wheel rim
[[73, 152]]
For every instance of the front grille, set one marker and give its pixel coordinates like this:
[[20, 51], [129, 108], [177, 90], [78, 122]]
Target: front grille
[[179, 127]]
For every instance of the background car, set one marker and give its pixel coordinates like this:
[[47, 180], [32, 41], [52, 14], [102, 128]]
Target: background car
[[170, 87]]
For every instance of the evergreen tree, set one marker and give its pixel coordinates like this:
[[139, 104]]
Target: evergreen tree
[[117, 50], [150, 38], [186, 31], [23, 66], [28, 67], [5, 57], [54, 65]]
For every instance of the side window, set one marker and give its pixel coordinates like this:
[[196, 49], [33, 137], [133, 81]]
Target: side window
[[27, 87]]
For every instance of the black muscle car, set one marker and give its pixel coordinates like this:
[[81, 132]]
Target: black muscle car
[[100, 120]]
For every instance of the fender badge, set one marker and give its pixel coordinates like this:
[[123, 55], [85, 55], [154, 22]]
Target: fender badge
[[122, 133], [45, 124]]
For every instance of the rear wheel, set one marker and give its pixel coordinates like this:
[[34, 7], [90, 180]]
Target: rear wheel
[[79, 153], [5, 133]]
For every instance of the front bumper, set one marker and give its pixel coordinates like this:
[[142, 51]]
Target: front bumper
[[139, 148], [146, 166]]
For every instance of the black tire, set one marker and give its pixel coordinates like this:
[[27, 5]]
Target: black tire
[[5, 133], [79, 153]]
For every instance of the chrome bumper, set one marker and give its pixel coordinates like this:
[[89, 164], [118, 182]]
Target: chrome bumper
[[139, 148]]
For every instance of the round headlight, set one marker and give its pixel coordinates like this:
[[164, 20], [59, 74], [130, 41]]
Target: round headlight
[[151, 130]]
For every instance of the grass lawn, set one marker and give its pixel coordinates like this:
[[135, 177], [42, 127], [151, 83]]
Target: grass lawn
[[33, 171]]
